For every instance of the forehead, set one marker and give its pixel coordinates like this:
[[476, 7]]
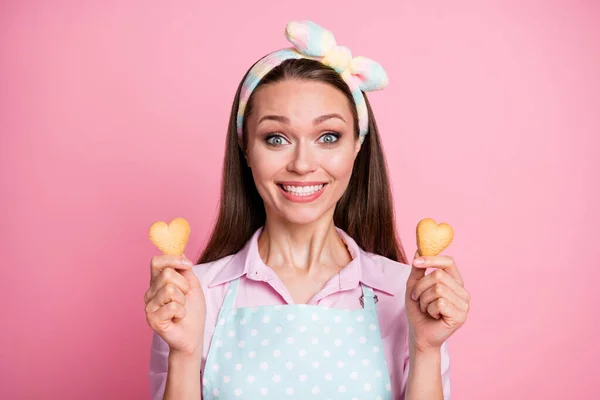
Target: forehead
[[300, 99]]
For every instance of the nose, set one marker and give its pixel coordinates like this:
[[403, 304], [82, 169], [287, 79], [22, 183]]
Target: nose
[[303, 159]]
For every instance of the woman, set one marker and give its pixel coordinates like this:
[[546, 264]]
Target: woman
[[303, 290]]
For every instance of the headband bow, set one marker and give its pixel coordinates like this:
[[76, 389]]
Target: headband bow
[[314, 42]]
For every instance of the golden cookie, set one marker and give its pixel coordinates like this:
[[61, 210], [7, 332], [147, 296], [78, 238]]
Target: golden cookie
[[433, 238], [170, 239]]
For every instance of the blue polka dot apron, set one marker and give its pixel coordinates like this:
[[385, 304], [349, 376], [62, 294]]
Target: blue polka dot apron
[[296, 351]]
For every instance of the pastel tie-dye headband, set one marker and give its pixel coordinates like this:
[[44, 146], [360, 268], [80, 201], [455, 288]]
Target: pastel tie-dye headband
[[313, 42]]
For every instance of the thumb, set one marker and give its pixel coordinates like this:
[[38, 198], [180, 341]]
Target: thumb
[[190, 276], [415, 273]]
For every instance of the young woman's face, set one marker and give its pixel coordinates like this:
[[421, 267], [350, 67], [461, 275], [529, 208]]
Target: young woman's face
[[301, 148]]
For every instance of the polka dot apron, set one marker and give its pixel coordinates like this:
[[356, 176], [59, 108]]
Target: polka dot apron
[[296, 351]]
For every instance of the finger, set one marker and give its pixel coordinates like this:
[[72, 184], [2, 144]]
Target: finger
[[168, 275], [159, 263], [448, 311], [441, 291], [192, 279], [438, 276], [445, 263], [165, 295], [161, 318], [435, 309]]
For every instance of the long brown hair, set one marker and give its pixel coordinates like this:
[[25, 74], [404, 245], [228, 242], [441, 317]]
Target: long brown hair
[[365, 211]]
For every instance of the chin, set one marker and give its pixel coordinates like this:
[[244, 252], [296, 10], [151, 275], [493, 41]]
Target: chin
[[301, 217]]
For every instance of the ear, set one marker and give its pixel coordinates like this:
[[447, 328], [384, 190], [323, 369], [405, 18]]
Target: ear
[[244, 151], [247, 159], [357, 146]]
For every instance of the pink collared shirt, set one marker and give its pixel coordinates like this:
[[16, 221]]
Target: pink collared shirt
[[259, 286]]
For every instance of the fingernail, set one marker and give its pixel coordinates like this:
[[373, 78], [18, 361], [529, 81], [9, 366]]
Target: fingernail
[[419, 261], [413, 295], [187, 262]]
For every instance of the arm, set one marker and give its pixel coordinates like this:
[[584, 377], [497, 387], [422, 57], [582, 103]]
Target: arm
[[428, 375], [183, 377], [173, 375], [177, 374]]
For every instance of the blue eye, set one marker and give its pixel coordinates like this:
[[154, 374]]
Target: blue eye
[[330, 137], [275, 139]]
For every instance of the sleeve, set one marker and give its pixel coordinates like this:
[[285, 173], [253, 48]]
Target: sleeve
[[159, 363], [445, 371]]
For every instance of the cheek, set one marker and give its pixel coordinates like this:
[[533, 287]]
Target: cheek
[[265, 166], [339, 164]]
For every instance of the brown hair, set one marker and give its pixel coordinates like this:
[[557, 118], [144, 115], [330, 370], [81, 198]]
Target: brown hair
[[365, 211]]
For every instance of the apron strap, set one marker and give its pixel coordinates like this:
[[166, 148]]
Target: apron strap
[[228, 303], [230, 295], [368, 299]]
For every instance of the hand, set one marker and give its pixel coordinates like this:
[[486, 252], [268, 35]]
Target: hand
[[175, 304], [441, 304]]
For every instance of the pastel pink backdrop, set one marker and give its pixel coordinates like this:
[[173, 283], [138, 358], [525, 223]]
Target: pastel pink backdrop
[[113, 115]]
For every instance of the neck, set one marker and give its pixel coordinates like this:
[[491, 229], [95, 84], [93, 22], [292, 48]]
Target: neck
[[302, 246]]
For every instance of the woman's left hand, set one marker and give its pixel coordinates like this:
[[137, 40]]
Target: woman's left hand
[[440, 305]]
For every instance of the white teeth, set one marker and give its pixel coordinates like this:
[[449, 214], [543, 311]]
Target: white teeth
[[302, 190]]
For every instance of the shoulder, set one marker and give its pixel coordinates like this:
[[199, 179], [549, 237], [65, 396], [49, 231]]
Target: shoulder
[[206, 272], [389, 267], [393, 275]]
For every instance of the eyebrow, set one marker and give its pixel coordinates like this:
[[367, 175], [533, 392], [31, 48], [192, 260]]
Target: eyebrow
[[286, 120]]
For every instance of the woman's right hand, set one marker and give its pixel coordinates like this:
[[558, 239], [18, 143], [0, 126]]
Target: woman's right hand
[[175, 305]]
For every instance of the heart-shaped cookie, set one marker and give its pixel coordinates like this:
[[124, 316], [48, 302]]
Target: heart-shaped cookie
[[170, 239], [433, 238]]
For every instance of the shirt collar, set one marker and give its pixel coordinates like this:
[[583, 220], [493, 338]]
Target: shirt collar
[[363, 268]]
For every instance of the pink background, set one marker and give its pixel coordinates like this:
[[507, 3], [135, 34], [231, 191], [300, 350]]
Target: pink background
[[113, 115]]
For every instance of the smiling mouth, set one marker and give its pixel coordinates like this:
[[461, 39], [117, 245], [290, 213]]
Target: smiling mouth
[[302, 191]]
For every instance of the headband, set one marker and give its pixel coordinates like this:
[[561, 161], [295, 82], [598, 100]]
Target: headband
[[316, 43]]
